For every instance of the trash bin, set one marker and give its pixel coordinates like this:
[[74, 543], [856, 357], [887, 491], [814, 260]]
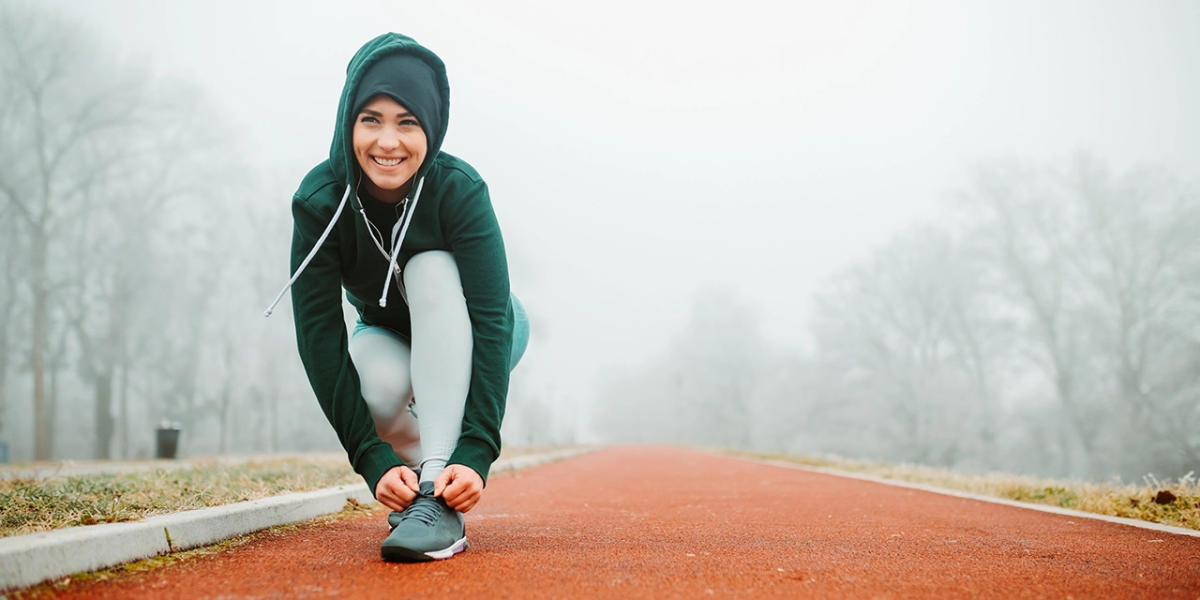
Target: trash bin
[[166, 440]]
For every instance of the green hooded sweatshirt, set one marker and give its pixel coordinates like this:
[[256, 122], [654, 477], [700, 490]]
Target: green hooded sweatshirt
[[451, 211]]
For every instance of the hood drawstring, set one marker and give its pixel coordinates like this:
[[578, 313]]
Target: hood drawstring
[[304, 264], [397, 240], [399, 230]]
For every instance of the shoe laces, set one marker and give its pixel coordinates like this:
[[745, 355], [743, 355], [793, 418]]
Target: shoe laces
[[424, 509]]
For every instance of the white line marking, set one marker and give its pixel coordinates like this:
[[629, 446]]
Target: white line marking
[[970, 496]]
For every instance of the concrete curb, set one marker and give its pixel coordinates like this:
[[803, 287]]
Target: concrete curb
[[970, 496], [30, 559]]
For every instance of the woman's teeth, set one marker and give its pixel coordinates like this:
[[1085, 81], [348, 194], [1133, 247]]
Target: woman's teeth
[[387, 162]]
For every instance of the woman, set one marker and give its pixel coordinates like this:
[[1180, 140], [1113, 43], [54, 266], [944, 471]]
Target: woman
[[441, 337]]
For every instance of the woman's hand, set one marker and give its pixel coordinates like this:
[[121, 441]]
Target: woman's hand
[[397, 488], [460, 486]]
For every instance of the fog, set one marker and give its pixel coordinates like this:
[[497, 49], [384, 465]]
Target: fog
[[932, 232]]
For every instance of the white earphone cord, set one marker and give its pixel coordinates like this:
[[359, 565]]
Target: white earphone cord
[[396, 242]]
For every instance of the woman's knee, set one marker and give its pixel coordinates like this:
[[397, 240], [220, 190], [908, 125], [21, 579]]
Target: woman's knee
[[386, 390], [431, 279], [382, 361], [520, 333]]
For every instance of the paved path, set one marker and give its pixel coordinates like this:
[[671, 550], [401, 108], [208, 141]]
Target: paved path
[[655, 522]]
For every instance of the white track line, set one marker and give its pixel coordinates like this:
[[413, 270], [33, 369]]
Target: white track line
[[970, 496]]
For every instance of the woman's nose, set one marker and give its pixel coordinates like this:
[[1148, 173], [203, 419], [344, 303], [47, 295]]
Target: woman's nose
[[390, 139]]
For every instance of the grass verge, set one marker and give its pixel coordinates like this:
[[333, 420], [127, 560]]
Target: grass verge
[[29, 505], [1160, 501]]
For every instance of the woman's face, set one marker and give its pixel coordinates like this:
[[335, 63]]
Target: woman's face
[[389, 145]]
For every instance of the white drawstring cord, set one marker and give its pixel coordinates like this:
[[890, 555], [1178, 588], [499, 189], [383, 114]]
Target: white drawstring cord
[[396, 242], [321, 240]]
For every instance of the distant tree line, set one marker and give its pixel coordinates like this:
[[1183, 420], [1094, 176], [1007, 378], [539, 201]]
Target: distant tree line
[[1050, 325], [136, 255]]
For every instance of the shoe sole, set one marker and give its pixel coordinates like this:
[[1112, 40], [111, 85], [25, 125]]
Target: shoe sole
[[406, 555]]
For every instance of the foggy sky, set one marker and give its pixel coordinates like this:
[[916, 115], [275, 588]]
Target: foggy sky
[[639, 151]]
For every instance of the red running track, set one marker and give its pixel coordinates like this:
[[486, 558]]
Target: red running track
[[661, 522]]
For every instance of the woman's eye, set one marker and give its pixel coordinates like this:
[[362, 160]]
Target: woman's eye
[[367, 119], [410, 122]]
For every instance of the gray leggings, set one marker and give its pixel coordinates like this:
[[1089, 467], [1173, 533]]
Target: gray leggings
[[436, 369]]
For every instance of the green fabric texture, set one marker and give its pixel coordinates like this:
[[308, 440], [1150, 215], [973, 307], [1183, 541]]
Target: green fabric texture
[[454, 213]]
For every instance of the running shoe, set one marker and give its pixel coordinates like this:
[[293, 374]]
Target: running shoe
[[426, 530]]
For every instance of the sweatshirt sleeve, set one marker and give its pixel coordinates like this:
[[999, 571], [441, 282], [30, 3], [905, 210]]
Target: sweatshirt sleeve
[[474, 237], [323, 344]]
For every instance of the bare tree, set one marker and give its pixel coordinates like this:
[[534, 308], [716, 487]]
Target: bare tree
[[702, 389], [1027, 224], [13, 261], [1137, 240], [60, 106], [10, 307], [718, 361], [108, 227], [906, 336], [1098, 274]]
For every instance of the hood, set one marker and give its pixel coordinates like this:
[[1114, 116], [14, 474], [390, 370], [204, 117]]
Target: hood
[[341, 151]]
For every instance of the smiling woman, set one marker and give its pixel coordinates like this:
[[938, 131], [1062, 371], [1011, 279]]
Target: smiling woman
[[389, 145], [448, 332]]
